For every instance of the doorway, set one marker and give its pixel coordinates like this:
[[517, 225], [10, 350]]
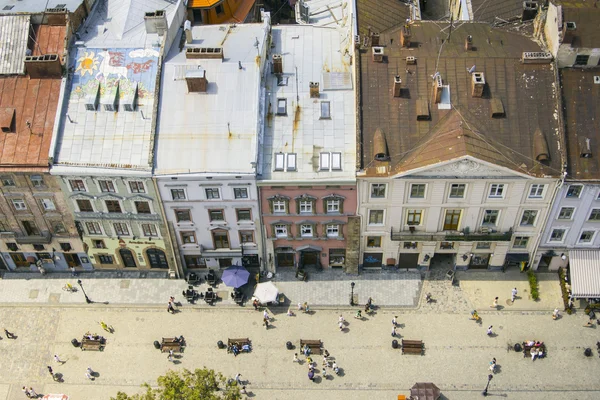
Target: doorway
[[309, 258], [128, 258], [72, 260], [157, 258], [452, 219], [30, 228], [224, 262], [285, 259]]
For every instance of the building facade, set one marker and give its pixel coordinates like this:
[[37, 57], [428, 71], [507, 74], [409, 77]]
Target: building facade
[[37, 228]]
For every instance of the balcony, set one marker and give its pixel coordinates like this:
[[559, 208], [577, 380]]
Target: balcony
[[466, 236], [42, 238]]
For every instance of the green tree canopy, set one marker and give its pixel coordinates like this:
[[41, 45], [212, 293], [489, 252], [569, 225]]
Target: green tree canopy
[[201, 384]]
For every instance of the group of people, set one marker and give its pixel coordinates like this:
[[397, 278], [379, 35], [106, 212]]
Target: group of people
[[536, 349], [312, 364], [29, 392], [171, 305], [237, 347]]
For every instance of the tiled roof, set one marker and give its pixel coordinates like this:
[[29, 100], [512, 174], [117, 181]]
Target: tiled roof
[[380, 15], [587, 32], [496, 10], [525, 91], [36, 6], [14, 33], [582, 120]]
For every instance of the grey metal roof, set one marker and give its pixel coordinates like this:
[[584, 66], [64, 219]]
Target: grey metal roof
[[14, 31], [36, 6], [585, 273]]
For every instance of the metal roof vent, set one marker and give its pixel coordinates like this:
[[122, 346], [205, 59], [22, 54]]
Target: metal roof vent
[[422, 110], [585, 147], [530, 9], [571, 26], [7, 119], [377, 54], [469, 43], [477, 84], [540, 146], [497, 108], [380, 152], [411, 60], [397, 86], [109, 98], [129, 101], [437, 88], [597, 80], [92, 99], [196, 81]]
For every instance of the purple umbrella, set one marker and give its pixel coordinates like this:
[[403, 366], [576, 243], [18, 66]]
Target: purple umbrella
[[235, 276]]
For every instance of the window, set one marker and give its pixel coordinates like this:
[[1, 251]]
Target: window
[[574, 191], [306, 206], [490, 217], [113, 206], [7, 181], [65, 246], [536, 191], [324, 163], [280, 230], [188, 237], [417, 191], [281, 106], [194, 262], [40, 247], [291, 161], [457, 190], [375, 217], [594, 215], [373, 241], [37, 181], [483, 245], [19, 204], [106, 186], [85, 206], [333, 230], [137, 187], [121, 229], [337, 257], [306, 230], [566, 213], [446, 245], [99, 244], [557, 235], [178, 194], [30, 228], [336, 161], [333, 206], [220, 240], [243, 214], [378, 190], [219, 9], [451, 220], [246, 237], [279, 206], [12, 246], [47, 204], [586, 237], [279, 161], [497, 190], [529, 217], [105, 259], [410, 245], [581, 59], [212, 193], [58, 227], [215, 215], [240, 193], [149, 230], [77, 185], [325, 110], [413, 217], [183, 215], [93, 228], [142, 207]]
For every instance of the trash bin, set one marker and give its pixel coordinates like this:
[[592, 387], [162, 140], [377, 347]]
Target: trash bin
[[289, 345], [220, 344], [587, 352], [394, 344], [75, 343], [156, 345], [518, 347]]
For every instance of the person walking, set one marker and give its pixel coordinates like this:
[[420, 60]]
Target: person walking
[[394, 330], [170, 308], [495, 303], [32, 393], [296, 359], [266, 315], [341, 319], [58, 360], [266, 323], [394, 322], [89, 373], [26, 391], [51, 372], [255, 304], [513, 295], [493, 365], [238, 379], [489, 331]]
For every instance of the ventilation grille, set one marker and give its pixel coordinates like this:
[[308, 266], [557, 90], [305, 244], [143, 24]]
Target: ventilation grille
[[536, 57]]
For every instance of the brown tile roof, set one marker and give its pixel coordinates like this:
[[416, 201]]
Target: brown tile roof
[[582, 120], [380, 15], [34, 101], [587, 33], [524, 90], [488, 10]]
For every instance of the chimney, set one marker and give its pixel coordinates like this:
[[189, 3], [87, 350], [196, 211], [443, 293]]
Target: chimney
[[377, 54], [196, 81], [585, 148], [437, 89], [187, 28], [397, 86], [374, 39], [204, 52], [7, 119], [156, 22], [569, 29], [46, 66], [477, 84], [277, 64], [405, 36], [530, 9], [314, 90], [469, 43]]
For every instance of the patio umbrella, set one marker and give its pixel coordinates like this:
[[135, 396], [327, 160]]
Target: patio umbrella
[[266, 292], [235, 276], [425, 391]]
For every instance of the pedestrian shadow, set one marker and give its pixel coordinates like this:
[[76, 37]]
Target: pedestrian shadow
[[401, 326], [498, 368], [345, 330], [493, 335]]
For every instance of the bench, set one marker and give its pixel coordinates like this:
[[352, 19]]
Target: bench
[[92, 344], [240, 343], [171, 344], [527, 349], [412, 346], [313, 345]]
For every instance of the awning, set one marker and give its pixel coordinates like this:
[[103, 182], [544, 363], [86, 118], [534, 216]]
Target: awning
[[585, 273], [517, 257]]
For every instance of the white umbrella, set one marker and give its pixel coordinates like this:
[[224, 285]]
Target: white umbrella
[[266, 292]]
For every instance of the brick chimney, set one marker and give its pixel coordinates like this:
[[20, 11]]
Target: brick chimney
[[477, 84], [397, 86], [405, 36]]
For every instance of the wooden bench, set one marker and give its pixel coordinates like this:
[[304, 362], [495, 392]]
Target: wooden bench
[[240, 342], [171, 344], [313, 345], [92, 344], [527, 349], [412, 346]]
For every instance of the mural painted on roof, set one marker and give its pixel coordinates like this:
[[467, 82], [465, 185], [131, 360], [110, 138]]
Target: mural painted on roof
[[112, 66]]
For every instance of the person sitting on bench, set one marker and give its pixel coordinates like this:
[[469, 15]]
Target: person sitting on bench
[[306, 350], [246, 348]]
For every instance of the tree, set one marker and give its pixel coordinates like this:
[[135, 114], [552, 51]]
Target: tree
[[202, 384]]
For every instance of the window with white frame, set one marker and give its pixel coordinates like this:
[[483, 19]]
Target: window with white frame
[[594, 215], [281, 230], [417, 191], [216, 215], [413, 217], [279, 206], [490, 217], [333, 206], [93, 228], [183, 215], [212, 193], [373, 241], [149, 230], [536, 191], [137, 187], [306, 206], [37, 181], [279, 162], [19, 204], [7, 181], [77, 185], [281, 106], [240, 193], [586, 236], [528, 218], [291, 162], [375, 217], [178, 194], [246, 237], [243, 214], [306, 230], [142, 207], [188, 237], [574, 191], [457, 190], [325, 110], [566, 213], [333, 230], [84, 205], [106, 186], [121, 229], [378, 190], [496, 190], [521, 242], [324, 161], [557, 235], [47, 204], [336, 161], [113, 206]]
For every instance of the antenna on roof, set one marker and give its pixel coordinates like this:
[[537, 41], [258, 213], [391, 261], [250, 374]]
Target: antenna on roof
[[256, 44], [239, 65], [451, 24], [471, 70]]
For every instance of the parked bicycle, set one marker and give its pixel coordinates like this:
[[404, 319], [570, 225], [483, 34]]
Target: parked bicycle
[[69, 288]]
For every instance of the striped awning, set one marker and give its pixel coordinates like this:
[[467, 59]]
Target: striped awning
[[585, 273]]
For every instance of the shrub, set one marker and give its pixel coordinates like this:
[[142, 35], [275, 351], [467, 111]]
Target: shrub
[[533, 285], [563, 288]]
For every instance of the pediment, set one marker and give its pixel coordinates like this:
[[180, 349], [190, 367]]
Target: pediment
[[465, 168]]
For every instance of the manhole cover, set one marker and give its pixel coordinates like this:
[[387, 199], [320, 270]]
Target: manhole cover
[[54, 298], [125, 284], [33, 294]]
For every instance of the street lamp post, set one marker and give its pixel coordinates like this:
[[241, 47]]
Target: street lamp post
[[352, 294], [484, 393], [87, 299]]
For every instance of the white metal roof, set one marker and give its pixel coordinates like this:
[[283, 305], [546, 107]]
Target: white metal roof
[[14, 32], [36, 6], [214, 131], [330, 13], [585, 273], [311, 54]]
